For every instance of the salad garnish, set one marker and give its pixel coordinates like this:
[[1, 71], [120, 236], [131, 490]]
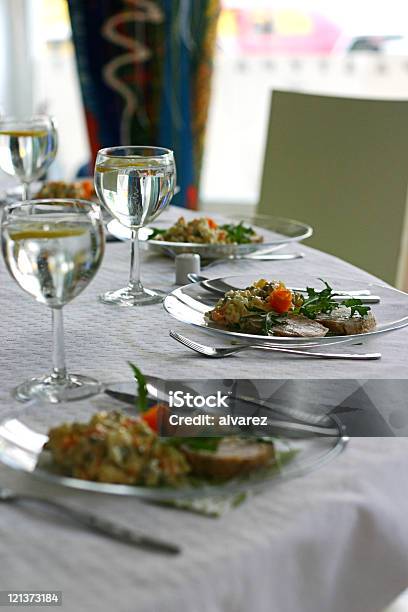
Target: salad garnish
[[205, 230], [264, 306], [142, 404], [238, 233]]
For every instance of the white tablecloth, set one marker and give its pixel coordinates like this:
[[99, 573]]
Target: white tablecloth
[[335, 540]]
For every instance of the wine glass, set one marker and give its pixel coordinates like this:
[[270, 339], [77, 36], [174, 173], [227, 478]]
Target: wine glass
[[27, 148], [135, 183], [52, 249]]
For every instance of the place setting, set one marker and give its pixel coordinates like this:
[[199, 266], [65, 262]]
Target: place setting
[[126, 442], [283, 317], [211, 442], [64, 431], [217, 240], [53, 247], [78, 432]]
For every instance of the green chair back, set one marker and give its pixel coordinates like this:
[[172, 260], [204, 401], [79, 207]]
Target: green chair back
[[341, 165]]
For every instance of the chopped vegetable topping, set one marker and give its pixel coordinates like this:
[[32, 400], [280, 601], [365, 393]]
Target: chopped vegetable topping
[[211, 223], [154, 416], [60, 189], [113, 447], [280, 300], [266, 307], [205, 230]]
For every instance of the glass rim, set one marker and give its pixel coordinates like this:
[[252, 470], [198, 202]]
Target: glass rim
[[110, 151], [21, 204], [26, 119]]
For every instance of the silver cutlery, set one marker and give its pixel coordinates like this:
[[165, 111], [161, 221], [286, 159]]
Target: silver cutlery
[[196, 278], [362, 292], [96, 523], [219, 352], [267, 254], [364, 295], [250, 257], [127, 398], [156, 389], [271, 257], [316, 428], [219, 287], [364, 299]]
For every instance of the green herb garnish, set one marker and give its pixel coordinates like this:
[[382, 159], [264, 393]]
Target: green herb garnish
[[141, 404], [356, 306], [311, 305], [272, 319], [284, 457], [238, 233], [156, 232], [317, 302]]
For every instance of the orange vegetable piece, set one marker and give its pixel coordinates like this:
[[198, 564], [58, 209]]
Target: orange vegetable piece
[[217, 315], [68, 441], [211, 223], [280, 299], [155, 416], [87, 189]]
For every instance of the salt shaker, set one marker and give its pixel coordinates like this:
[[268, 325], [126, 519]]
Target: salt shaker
[[186, 263]]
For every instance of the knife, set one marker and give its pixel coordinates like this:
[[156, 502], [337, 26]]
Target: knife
[[126, 398], [131, 398], [219, 287], [362, 292], [315, 427], [97, 523]]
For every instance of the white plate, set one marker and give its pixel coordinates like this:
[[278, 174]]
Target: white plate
[[23, 432], [190, 303], [277, 232]]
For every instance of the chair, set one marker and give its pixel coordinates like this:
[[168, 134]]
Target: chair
[[341, 164]]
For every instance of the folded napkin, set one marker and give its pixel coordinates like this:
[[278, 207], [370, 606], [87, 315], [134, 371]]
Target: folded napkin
[[216, 506], [210, 506]]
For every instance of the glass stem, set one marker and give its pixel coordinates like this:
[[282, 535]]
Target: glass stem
[[26, 191], [134, 278], [59, 371]]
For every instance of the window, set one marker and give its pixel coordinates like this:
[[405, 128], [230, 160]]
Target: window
[[57, 90], [357, 48], [40, 75]]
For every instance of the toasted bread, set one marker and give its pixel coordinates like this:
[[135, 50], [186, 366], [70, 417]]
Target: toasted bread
[[340, 323], [233, 457]]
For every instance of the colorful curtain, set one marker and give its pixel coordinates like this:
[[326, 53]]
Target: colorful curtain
[[145, 71]]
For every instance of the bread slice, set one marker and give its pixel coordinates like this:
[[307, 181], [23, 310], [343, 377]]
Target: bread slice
[[340, 323], [233, 457]]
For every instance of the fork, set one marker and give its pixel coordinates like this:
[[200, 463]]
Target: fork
[[218, 352], [266, 257]]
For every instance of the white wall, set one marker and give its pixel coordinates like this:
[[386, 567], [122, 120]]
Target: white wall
[[240, 106], [17, 57]]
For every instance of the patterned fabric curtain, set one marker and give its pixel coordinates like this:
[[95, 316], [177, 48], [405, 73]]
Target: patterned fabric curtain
[[145, 70]]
